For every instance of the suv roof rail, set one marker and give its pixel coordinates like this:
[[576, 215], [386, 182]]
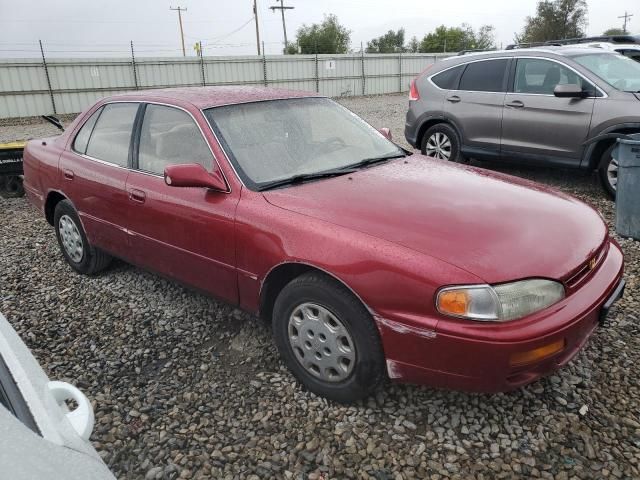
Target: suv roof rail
[[476, 50], [574, 41]]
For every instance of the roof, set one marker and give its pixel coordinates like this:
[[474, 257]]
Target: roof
[[566, 50], [206, 97]]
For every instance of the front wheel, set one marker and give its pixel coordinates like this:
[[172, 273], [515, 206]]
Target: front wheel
[[441, 141], [328, 339], [608, 172]]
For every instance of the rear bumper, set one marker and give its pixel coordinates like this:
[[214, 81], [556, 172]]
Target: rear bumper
[[476, 357]]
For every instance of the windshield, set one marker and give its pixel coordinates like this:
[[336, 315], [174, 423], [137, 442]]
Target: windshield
[[279, 139], [618, 71]]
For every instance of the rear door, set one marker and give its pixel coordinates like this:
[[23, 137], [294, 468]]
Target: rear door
[[538, 126], [94, 171], [184, 233], [475, 106]]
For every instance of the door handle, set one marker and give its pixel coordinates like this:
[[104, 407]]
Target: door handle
[[68, 174], [453, 99], [515, 104], [137, 195]]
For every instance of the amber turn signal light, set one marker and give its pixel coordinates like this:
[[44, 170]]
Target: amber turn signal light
[[537, 354], [453, 302]]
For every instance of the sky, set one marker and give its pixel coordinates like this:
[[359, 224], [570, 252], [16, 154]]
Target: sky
[[70, 28]]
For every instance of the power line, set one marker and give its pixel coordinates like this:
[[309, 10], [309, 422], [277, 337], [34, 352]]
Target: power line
[[180, 10], [282, 8]]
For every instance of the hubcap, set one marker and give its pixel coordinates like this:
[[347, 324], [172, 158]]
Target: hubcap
[[321, 343], [612, 173], [71, 239], [439, 146]]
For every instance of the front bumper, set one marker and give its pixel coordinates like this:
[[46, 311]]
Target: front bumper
[[475, 356]]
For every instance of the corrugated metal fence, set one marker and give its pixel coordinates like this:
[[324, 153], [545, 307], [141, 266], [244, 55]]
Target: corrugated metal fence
[[31, 87]]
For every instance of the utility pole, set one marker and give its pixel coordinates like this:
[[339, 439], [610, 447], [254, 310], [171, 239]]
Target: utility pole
[[255, 17], [627, 18], [282, 8], [180, 10]]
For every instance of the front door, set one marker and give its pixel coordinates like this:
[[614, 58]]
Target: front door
[[184, 233], [539, 126], [475, 107], [94, 174]]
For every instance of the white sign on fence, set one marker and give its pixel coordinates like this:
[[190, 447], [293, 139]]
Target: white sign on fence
[[330, 65]]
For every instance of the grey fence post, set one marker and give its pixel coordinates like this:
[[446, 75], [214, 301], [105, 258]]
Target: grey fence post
[[264, 65], [364, 79], [317, 74], [46, 72], [400, 72], [134, 67], [204, 80]]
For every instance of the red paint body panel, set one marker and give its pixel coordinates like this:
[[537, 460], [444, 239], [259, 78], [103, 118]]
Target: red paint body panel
[[393, 233]]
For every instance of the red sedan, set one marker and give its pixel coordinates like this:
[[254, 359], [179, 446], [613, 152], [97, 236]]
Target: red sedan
[[369, 261]]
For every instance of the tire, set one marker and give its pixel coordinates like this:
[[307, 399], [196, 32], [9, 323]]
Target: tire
[[608, 172], [444, 140], [355, 337], [11, 187], [88, 260]]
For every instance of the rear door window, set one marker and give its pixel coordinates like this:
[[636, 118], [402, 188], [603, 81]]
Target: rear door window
[[170, 136], [111, 134], [485, 76], [448, 80], [82, 139]]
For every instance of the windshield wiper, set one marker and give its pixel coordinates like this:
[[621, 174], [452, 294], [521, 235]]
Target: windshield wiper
[[304, 177], [370, 161]]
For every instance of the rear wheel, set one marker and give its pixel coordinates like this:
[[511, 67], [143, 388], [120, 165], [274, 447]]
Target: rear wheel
[[82, 256], [11, 186], [441, 141], [328, 339], [608, 172]]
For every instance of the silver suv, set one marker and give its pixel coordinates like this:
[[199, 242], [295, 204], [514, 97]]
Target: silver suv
[[537, 106]]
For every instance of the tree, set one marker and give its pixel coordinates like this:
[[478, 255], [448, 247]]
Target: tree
[[555, 20], [455, 39], [414, 45], [614, 31], [390, 42], [326, 37]]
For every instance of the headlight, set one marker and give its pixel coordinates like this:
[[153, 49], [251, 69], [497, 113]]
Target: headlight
[[501, 303]]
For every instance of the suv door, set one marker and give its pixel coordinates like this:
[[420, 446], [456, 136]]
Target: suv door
[[184, 233], [537, 125], [40, 437], [475, 106], [94, 171]]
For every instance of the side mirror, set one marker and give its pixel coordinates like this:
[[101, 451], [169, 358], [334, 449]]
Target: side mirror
[[569, 90], [194, 175], [387, 133]]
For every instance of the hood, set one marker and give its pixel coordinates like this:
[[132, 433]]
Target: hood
[[497, 227]]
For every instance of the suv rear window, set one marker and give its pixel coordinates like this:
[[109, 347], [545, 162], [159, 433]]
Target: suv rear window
[[485, 76], [448, 79]]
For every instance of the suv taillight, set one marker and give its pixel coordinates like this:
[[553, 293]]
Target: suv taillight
[[413, 91]]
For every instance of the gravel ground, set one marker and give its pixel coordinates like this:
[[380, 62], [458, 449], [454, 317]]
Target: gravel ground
[[185, 387]]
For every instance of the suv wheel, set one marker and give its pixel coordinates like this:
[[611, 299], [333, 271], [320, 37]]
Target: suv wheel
[[328, 339], [441, 141], [608, 172], [83, 257]]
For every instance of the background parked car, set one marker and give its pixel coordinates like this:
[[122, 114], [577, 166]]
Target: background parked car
[[40, 437], [535, 106]]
